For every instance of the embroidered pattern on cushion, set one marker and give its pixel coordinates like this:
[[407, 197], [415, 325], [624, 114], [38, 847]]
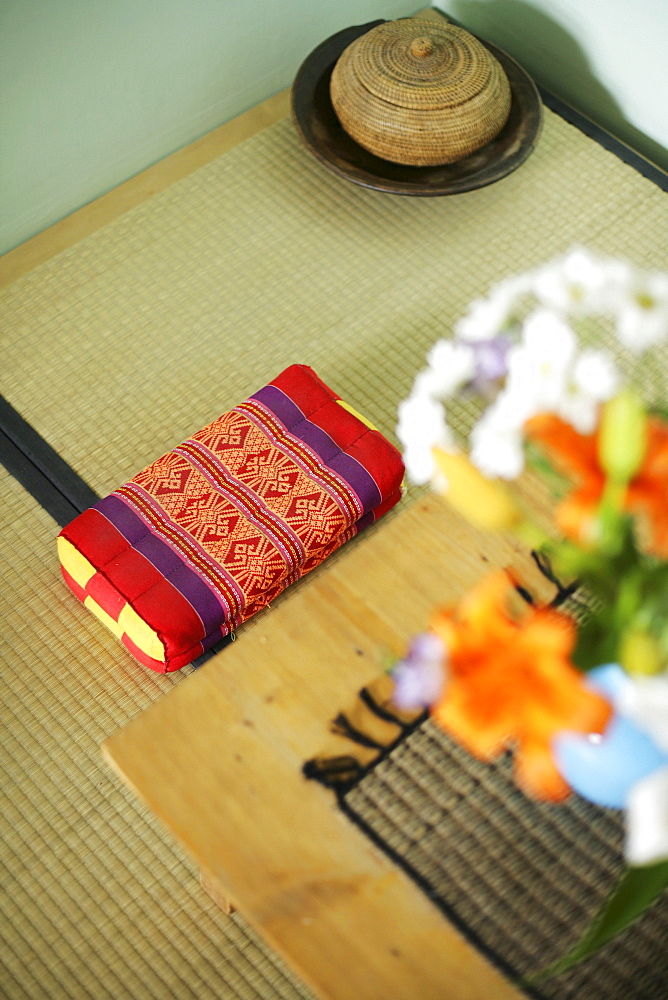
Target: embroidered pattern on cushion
[[246, 516]]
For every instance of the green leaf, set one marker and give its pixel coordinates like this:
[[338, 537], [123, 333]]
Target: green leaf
[[637, 888], [556, 482], [659, 411], [597, 641]]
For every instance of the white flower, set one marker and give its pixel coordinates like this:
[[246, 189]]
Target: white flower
[[535, 365], [579, 283], [541, 364], [422, 425], [595, 373], [545, 374], [553, 377], [428, 383], [642, 314], [594, 379], [451, 366], [496, 440], [645, 701], [422, 420], [488, 317], [647, 819]]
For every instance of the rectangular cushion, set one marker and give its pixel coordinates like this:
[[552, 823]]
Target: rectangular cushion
[[211, 532]]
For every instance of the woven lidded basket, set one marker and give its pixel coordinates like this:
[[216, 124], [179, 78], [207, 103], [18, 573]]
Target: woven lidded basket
[[420, 93]]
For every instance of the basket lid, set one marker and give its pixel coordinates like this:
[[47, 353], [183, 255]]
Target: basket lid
[[420, 92], [419, 63]]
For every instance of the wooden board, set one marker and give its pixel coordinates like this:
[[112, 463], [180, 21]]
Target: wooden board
[[219, 760]]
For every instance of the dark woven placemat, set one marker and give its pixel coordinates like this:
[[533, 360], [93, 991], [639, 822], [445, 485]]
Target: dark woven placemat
[[521, 879]]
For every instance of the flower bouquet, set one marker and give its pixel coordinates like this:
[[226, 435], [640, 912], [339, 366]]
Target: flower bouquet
[[554, 365]]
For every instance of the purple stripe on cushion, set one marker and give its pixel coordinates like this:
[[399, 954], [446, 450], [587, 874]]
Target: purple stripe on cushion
[[361, 481], [365, 521], [122, 517], [210, 640], [166, 561], [287, 411], [290, 415]]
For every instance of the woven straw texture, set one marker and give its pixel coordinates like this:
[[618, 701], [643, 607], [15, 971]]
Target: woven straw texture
[[96, 901], [142, 333], [420, 92], [115, 351], [522, 879]]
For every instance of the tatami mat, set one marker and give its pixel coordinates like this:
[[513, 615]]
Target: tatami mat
[[126, 343], [96, 900], [115, 351]]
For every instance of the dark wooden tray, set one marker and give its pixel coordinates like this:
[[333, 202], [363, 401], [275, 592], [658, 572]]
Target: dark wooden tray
[[316, 122]]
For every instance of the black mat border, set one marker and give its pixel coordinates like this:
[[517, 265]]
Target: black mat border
[[54, 484], [605, 139], [40, 469]]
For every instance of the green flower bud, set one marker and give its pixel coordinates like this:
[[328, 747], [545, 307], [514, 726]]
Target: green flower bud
[[640, 653], [622, 441]]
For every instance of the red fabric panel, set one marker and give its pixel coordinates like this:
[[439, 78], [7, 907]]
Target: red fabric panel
[[386, 505], [370, 448], [131, 573], [162, 668], [301, 384], [129, 576], [171, 616], [106, 595], [95, 537]]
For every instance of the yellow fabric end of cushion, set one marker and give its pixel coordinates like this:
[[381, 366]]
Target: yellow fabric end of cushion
[[350, 409], [140, 633], [72, 560], [103, 616], [130, 624]]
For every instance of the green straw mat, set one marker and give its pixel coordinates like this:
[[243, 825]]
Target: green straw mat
[[96, 900], [134, 338]]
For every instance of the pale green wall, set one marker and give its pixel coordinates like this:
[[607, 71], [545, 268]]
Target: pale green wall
[[93, 91], [607, 58]]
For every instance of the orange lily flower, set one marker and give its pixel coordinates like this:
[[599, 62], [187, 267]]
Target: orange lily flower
[[511, 683], [576, 455]]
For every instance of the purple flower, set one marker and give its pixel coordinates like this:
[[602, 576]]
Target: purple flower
[[490, 358], [420, 677]]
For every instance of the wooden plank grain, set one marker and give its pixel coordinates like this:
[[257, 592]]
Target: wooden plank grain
[[219, 760]]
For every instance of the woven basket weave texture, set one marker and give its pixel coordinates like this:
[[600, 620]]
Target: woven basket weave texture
[[420, 93]]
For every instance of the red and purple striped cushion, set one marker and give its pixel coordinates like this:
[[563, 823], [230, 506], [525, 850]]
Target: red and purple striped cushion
[[211, 532]]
